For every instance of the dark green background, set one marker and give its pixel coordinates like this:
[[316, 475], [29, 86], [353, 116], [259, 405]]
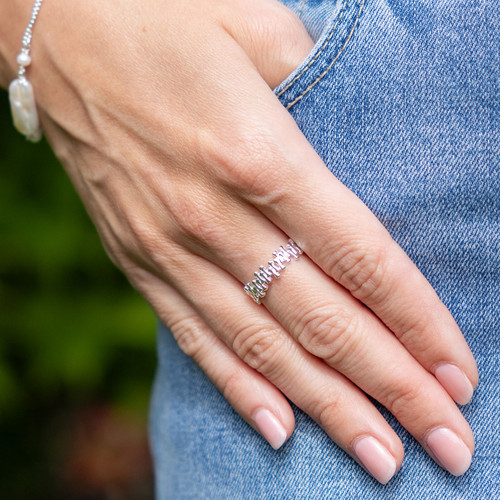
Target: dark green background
[[77, 352]]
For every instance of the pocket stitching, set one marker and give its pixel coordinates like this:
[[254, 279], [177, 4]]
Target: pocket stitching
[[320, 51], [322, 75]]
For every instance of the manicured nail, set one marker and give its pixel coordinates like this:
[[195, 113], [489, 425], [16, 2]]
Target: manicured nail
[[270, 427], [454, 380], [450, 450], [376, 458]]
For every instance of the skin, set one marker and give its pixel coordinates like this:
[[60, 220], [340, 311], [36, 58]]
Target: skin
[[163, 115]]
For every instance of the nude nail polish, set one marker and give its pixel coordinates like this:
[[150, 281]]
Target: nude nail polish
[[270, 427], [450, 450], [376, 458], [456, 383]]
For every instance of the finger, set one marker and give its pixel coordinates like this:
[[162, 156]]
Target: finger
[[269, 158], [265, 158], [360, 255], [208, 221], [331, 324], [328, 397], [254, 398], [272, 36], [346, 241], [331, 399]]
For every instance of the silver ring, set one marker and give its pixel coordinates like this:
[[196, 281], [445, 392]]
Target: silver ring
[[257, 288]]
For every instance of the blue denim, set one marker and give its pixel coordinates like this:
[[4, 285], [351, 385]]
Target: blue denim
[[401, 100]]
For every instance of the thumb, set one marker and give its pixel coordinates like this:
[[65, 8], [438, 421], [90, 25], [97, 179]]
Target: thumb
[[272, 36]]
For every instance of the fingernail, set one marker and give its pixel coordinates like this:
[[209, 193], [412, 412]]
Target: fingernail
[[454, 380], [270, 427], [450, 450], [376, 458]]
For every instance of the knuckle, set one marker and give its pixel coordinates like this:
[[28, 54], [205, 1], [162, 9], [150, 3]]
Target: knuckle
[[115, 249], [149, 240], [402, 401], [233, 385], [250, 163], [329, 333], [413, 329], [412, 338], [189, 335], [258, 347], [328, 410], [285, 36], [139, 278], [360, 271], [197, 219], [138, 234], [272, 36]]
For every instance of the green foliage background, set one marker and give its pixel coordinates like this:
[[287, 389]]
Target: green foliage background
[[72, 331]]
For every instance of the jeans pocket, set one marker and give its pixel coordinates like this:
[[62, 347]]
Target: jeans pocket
[[344, 17]]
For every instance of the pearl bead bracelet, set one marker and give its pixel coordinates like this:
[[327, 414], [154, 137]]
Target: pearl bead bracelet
[[21, 96]]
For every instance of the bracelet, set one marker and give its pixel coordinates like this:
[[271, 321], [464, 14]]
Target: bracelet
[[21, 96]]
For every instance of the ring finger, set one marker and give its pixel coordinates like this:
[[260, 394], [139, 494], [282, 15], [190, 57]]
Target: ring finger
[[332, 325], [336, 404]]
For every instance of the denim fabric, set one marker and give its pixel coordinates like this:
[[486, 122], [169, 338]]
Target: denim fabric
[[401, 100]]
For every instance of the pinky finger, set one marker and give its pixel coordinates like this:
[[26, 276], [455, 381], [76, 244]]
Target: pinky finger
[[253, 397]]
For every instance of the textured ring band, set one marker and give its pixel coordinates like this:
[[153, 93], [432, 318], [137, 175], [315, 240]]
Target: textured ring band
[[257, 288]]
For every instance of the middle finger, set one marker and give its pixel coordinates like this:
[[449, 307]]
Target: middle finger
[[334, 326]]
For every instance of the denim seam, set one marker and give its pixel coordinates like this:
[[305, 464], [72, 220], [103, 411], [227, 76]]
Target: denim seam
[[320, 51], [322, 75]]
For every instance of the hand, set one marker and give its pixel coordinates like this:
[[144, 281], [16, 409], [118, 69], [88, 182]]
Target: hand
[[163, 115]]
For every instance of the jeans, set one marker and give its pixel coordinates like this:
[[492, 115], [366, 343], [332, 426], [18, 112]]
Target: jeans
[[401, 100]]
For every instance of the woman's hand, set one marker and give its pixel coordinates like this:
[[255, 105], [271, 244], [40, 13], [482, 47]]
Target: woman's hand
[[163, 115]]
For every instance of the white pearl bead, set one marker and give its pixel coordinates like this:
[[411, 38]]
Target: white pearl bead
[[23, 59], [23, 107]]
